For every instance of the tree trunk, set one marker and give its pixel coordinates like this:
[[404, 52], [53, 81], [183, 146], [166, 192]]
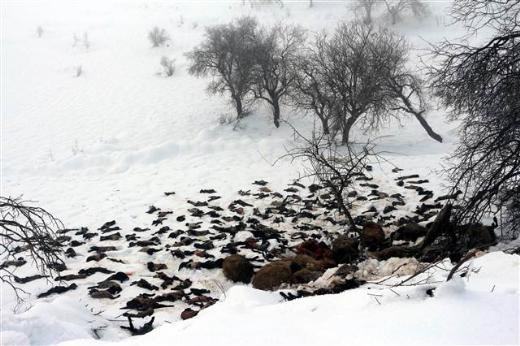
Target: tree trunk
[[394, 17], [276, 113], [325, 125], [427, 127], [347, 126], [238, 106], [368, 15], [344, 209]]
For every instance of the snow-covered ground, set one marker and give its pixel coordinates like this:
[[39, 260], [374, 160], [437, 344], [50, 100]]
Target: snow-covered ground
[[114, 139], [481, 308], [109, 143]]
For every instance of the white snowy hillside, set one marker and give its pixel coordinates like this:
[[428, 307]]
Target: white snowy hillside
[[156, 185]]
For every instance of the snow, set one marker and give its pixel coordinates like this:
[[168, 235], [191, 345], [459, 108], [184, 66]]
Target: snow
[[118, 136], [46, 323], [481, 308], [109, 143]]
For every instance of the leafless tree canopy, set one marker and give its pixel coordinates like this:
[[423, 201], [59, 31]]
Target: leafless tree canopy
[[275, 68], [228, 55], [313, 93], [481, 87], [402, 89], [29, 229], [358, 74], [341, 75], [501, 15]]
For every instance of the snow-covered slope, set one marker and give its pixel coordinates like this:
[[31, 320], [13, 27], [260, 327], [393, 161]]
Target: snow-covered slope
[[481, 308], [114, 139], [109, 143]]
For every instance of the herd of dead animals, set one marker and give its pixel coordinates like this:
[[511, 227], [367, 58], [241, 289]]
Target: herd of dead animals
[[313, 246]]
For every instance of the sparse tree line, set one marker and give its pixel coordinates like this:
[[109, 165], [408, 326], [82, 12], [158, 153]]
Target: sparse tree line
[[356, 74], [359, 74], [395, 9]]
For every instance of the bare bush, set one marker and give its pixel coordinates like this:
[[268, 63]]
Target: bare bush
[[333, 166], [158, 37], [275, 67], [168, 66], [29, 229], [480, 86], [228, 55], [39, 31]]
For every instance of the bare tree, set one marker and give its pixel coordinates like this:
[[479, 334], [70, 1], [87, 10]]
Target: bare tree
[[28, 229], [228, 55], [359, 74], [418, 8], [480, 86], [352, 78], [340, 80], [403, 89], [407, 97], [275, 71], [396, 8], [367, 7]]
